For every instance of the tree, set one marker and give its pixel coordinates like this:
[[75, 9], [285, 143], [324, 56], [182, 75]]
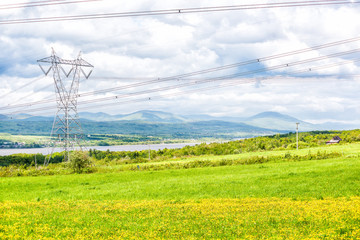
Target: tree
[[79, 161]]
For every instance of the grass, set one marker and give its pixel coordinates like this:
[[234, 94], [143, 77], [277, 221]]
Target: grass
[[336, 177], [315, 199], [23, 138], [346, 150], [164, 163]]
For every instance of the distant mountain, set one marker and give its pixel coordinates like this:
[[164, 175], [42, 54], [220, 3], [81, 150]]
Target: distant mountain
[[217, 129], [339, 126], [99, 116], [204, 117], [21, 116], [188, 130], [3, 117], [273, 115], [199, 117], [154, 116], [38, 119], [278, 121], [142, 116], [265, 120]]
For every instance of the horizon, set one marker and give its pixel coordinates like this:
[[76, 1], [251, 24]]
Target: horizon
[[223, 117]]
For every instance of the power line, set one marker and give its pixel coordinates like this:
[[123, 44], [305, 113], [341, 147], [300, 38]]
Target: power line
[[210, 70], [226, 77], [24, 3], [21, 87], [292, 64], [41, 4], [186, 85], [179, 11], [239, 64], [227, 84], [219, 78], [234, 82]]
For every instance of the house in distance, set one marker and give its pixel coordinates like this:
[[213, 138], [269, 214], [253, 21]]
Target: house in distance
[[334, 140]]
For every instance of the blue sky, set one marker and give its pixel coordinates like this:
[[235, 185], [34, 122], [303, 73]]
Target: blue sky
[[128, 50]]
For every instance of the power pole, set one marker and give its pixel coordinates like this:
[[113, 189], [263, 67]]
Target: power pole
[[297, 136], [66, 129], [149, 147]]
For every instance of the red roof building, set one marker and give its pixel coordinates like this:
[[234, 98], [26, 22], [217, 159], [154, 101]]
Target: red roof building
[[334, 140]]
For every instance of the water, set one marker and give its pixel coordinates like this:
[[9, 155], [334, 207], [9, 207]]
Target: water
[[45, 151]]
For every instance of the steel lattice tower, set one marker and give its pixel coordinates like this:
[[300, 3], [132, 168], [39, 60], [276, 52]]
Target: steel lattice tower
[[66, 129]]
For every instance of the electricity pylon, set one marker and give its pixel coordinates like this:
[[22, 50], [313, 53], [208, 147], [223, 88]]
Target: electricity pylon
[[66, 129]]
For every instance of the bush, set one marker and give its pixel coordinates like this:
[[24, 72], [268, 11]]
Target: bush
[[79, 161]]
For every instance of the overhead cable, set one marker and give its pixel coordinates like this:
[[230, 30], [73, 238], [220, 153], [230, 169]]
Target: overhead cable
[[152, 98], [22, 86], [186, 85], [225, 77], [180, 11], [205, 71], [41, 4], [210, 70]]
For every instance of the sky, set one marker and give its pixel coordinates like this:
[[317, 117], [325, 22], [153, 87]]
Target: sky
[[134, 50]]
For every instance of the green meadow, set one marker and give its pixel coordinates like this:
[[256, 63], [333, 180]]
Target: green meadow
[[312, 193], [338, 177]]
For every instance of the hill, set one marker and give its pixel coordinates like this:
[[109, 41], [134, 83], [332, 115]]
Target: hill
[[140, 116], [3, 117], [177, 130], [38, 119], [274, 120], [147, 120], [153, 116], [187, 130], [267, 120]]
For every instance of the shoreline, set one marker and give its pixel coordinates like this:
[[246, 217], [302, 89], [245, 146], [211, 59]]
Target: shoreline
[[116, 148]]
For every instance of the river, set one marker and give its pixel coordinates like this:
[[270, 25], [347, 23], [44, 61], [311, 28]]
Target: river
[[5, 152]]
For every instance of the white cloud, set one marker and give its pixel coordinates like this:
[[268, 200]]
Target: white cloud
[[162, 46]]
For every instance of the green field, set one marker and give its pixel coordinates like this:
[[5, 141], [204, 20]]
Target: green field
[[188, 198]]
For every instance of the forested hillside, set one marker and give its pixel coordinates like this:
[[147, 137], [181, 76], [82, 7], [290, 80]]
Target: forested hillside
[[218, 129]]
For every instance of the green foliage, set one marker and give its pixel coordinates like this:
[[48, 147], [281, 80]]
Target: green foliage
[[79, 161], [334, 177], [287, 157], [28, 159], [40, 170], [189, 130], [103, 143], [258, 144], [23, 159]]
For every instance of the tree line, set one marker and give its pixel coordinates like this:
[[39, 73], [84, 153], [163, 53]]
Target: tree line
[[265, 143]]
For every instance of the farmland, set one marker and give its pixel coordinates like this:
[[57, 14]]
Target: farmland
[[289, 194]]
